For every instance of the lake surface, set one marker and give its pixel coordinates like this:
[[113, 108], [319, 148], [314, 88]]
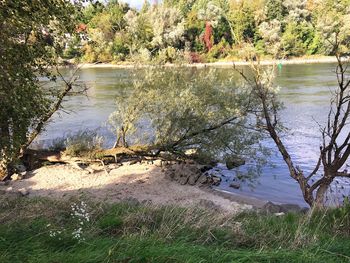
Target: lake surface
[[305, 91]]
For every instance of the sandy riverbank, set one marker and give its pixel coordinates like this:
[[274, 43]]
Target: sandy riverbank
[[143, 182], [294, 61]]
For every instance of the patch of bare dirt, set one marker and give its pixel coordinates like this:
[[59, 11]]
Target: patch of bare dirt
[[113, 183]]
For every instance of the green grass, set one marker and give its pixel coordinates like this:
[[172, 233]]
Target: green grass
[[145, 233]]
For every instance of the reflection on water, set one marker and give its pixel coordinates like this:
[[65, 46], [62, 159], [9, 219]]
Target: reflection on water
[[305, 91]]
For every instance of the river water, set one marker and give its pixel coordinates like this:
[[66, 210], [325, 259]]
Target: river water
[[305, 91]]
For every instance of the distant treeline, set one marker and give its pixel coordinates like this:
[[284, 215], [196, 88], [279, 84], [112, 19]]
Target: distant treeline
[[199, 30]]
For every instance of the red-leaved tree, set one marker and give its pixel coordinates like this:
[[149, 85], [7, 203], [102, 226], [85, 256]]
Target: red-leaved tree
[[208, 35]]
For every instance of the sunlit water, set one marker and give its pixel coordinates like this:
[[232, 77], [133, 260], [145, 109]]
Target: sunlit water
[[305, 91]]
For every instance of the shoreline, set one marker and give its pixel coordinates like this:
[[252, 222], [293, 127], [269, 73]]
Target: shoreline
[[238, 198], [140, 182], [294, 61]]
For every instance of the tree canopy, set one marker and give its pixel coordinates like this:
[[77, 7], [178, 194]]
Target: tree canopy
[[32, 37], [173, 111], [200, 30]]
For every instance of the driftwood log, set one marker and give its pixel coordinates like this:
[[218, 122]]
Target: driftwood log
[[33, 159]]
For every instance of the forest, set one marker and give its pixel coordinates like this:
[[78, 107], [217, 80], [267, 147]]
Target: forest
[[192, 31]]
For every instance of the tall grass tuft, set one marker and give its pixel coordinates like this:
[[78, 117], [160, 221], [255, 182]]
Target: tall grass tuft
[[82, 143]]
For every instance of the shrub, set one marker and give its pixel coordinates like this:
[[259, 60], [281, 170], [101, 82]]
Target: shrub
[[90, 55], [297, 38], [119, 48], [74, 49], [82, 143], [193, 57], [78, 144], [170, 55], [142, 56], [105, 53], [219, 50], [176, 109]]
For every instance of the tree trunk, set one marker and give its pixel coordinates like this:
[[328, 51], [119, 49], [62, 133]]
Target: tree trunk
[[321, 194], [5, 144], [308, 196], [3, 170], [121, 140]]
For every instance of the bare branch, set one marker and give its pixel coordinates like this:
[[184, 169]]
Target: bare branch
[[188, 136], [343, 174], [69, 85], [316, 168]]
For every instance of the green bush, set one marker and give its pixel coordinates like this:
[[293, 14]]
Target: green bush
[[78, 144], [220, 50], [105, 53], [120, 49], [170, 55], [74, 49], [82, 143], [316, 46], [142, 56], [90, 55], [297, 38]]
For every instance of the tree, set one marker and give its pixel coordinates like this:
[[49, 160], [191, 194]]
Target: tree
[[168, 26], [212, 15], [271, 34], [242, 21], [193, 29], [275, 9], [91, 10], [117, 11], [139, 30], [296, 10], [184, 25], [32, 35], [297, 38], [185, 6], [332, 21], [335, 145], [208, 36], [173, 111], [299, 32], [156, 29], [106, 32]]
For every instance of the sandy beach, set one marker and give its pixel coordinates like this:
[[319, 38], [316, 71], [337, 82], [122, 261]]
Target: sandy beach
[[141, 182], [294, 61]]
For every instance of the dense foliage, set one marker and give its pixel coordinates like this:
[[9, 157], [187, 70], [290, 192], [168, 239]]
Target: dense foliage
[[197, 30], [32, 36], [173, 111]]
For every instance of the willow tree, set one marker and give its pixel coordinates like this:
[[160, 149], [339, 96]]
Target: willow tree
[[31, 39], [334, 151], [178, 109]]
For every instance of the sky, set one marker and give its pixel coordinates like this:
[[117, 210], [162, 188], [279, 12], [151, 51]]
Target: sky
[[134, 3]]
